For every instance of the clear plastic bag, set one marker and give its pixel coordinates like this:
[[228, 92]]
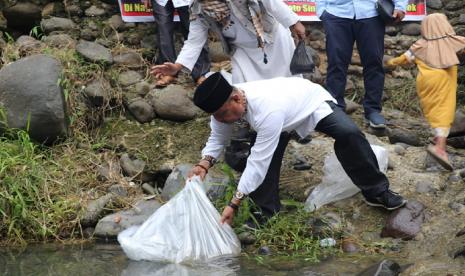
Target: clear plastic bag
[[336, 184], [186, 229]]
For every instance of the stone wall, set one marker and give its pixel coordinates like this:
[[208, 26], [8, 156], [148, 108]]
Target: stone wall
[[99, 21]]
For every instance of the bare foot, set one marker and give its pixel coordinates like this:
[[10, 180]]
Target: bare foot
[[165, 81], [440, 156]]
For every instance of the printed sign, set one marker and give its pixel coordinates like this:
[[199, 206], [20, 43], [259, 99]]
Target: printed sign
[[135, 11]]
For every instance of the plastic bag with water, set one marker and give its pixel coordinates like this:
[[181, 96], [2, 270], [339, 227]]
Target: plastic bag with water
[[336, 184], [185, 229]]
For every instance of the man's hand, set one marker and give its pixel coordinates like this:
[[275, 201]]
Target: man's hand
[[298, 30], [227, 216], [147, 4], [398, 15], [166, 69], [199, 170]]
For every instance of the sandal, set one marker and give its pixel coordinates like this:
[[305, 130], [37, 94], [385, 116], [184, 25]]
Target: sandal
[[200, 80], [440, 158], [165, 81]]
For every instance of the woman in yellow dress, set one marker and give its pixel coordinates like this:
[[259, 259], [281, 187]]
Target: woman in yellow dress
[[435, 55]]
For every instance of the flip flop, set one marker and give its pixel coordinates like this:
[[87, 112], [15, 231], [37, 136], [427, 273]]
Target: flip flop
[[431, 150], [165, 81]]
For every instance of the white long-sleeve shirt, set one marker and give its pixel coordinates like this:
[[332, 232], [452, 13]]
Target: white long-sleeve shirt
[[247, 60], [273, 106]]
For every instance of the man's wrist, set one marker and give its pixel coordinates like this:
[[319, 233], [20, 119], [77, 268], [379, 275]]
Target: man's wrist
[[210, 159]]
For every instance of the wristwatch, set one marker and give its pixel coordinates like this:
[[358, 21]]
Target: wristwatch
[[239, 195], [211, 160]]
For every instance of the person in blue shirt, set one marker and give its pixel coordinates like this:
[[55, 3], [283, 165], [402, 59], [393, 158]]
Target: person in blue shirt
[[349, 21]]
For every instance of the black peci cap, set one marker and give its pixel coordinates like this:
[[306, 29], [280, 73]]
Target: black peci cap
[[212, 93]]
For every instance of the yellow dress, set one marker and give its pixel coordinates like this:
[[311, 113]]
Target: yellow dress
[[437, 89]]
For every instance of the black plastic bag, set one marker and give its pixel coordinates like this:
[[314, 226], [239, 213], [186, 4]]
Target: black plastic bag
[[302, 61]]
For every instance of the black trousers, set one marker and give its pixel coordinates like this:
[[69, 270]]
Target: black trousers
[[341, 33], [166, 51], [352, 150]]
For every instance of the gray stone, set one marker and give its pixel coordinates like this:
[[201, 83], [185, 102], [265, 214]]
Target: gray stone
[[264, 250], [57, 24], [142, 88], [453, 178], [412, 29], [383, 268], [60, 41], [149, 42], [130, 59], [424, 186], [116, 22], [462, 173], [405, 223], [129, 77], [141, 110], [31, 96], [94, 210], [315, 77], [400, 150], [173, 103], [111, 225], [458, 126], [434, 4], [94, 51], [146, 187], [351, 106], [96, 91], [22, 15], [131, 167], [73, 10], [454, 5], [247, 238], [52, 9], [28, 45], [89, 34], [457, 207], [403, 136], [94, 11], [392, 30], [317, 35]]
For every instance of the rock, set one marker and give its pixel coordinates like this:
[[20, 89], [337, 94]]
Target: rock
[[94, 52], [424, 186], [349, 246], [392, 30], [88, 232], [130, 59], [88, 34], [22, 15], [454, 5], [264, 250], [396, 135], [434, 4], [462, 173], [247, 238], [457, 142], [31, 96], [73, 10], [457, 207], [149, 42], [141, 110], [116, 22], [146, 187], [316, 35], [94, 11], [399, 150], [129, 77], [94, 210], [458, 126], [53, 24], [351, 106], [118, 190], [131, 167], [453, 178], [406, 222], [173, 103], [28, 45], [216, 52], [142, 88], [111, 225], [383, 268], [52, 9], [60, 41], [413, 29], [96, 91], [315, 77]]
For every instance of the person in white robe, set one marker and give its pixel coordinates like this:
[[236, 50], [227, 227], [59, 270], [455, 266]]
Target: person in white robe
[[277, 106], [255, 33]]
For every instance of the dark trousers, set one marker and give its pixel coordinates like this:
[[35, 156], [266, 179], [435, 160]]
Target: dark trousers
[[352, 150], [341, 33], [166, 51]]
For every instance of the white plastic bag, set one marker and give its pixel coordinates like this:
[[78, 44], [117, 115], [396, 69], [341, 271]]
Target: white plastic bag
[[186, 229], [336, 184]]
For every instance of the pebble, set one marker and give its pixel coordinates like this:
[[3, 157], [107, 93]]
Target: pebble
[[454, 178], [424, 187]]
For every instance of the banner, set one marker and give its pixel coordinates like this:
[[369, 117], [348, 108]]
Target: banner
[[135, 11]]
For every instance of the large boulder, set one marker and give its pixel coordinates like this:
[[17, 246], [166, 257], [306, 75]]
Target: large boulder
[[32, 97], [173, 103]]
